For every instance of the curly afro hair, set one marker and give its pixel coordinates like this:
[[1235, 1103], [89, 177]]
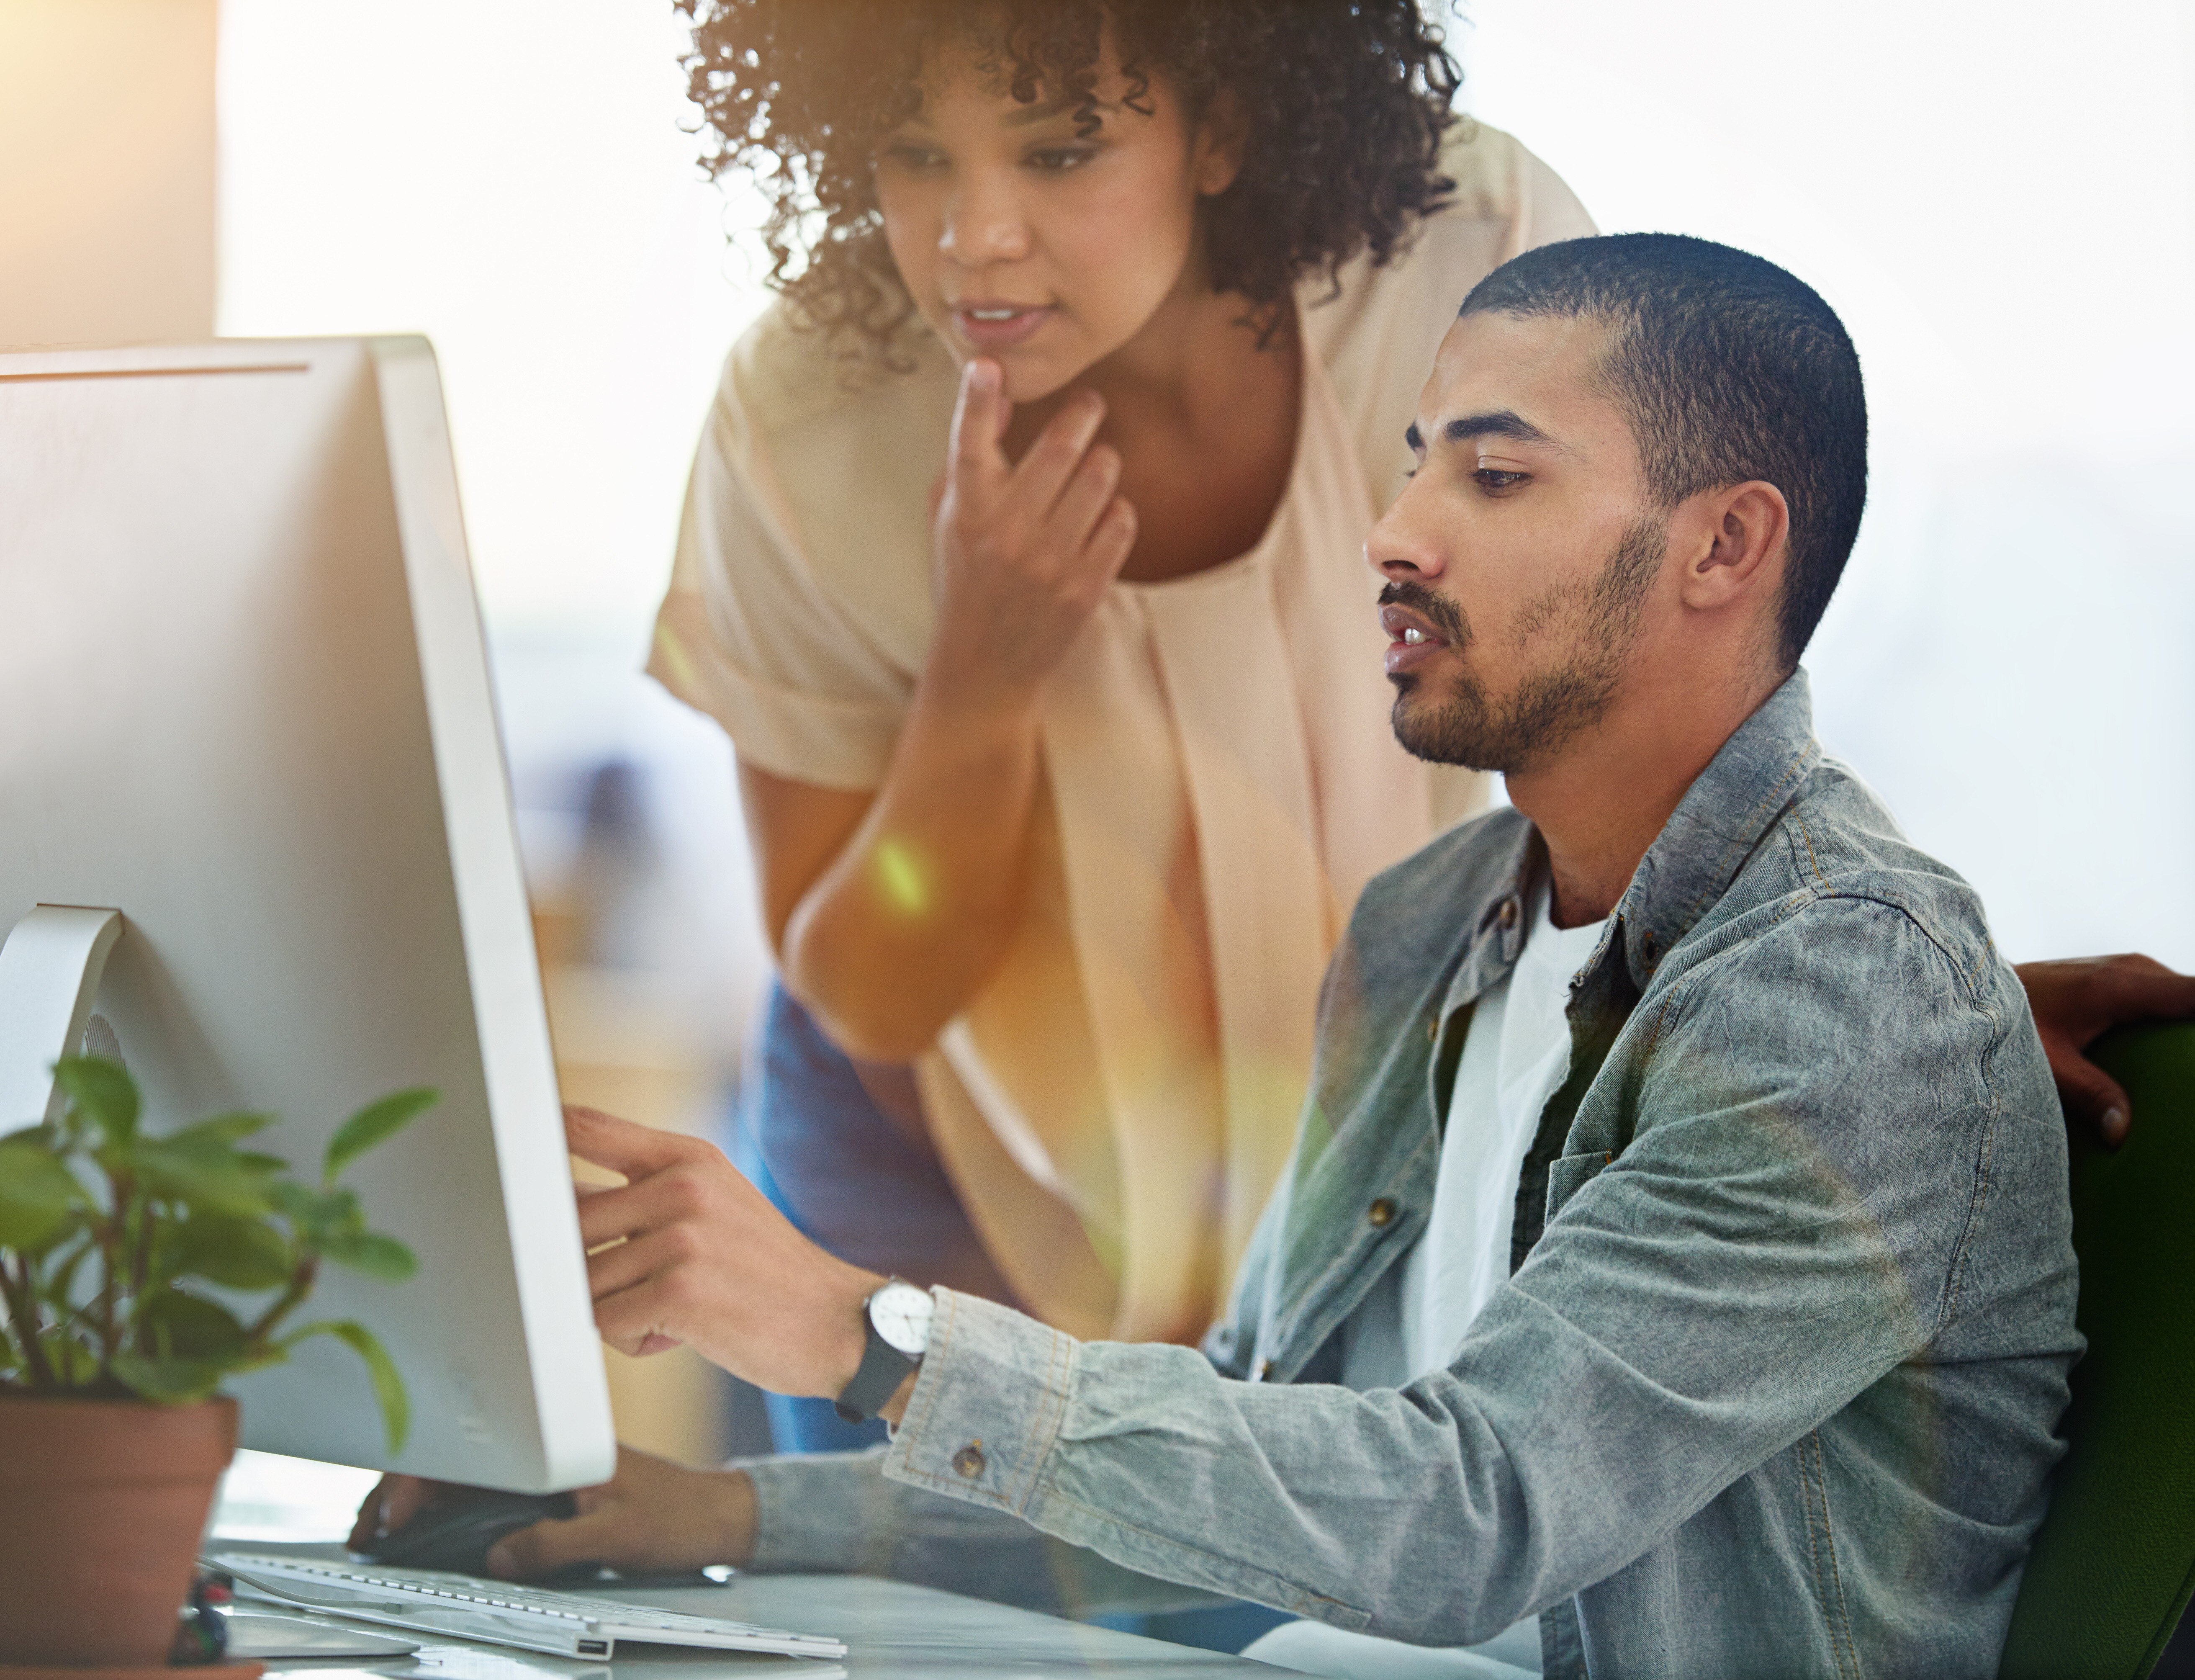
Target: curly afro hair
[[1344, 105]]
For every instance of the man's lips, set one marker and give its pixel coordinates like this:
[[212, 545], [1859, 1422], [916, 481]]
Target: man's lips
[[1412, 640], [997, 324]]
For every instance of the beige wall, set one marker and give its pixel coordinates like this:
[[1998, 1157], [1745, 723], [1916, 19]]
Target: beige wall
[[107, 170]]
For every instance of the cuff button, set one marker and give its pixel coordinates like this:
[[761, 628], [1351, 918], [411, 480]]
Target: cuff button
[[1381, 1212], [968, 1461]]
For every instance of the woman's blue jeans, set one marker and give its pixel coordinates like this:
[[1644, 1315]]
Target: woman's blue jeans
[[841, 1147]]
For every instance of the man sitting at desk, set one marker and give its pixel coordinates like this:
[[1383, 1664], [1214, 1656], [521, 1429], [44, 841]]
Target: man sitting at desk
[[1676, 1243]]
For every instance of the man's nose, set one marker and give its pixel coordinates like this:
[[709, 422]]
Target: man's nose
[[984, 223], [1402, 544]]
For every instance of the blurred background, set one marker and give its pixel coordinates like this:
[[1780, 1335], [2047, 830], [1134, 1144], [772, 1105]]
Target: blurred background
[[1999, 198]]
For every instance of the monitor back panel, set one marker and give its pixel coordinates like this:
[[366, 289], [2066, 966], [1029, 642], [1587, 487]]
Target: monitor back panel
[[247, 704]]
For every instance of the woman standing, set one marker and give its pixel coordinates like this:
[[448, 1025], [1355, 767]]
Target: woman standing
[[1021, 563]]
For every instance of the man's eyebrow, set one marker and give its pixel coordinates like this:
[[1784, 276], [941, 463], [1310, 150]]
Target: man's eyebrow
[[1497, 422]]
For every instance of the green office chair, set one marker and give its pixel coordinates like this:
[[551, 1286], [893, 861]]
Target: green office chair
[[2114, 1561]]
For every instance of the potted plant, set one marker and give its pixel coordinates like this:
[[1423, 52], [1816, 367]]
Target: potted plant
[[138, 1274]]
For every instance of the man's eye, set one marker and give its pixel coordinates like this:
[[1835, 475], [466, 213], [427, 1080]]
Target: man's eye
[[1058, 159], [1493, 478], [908, 155]]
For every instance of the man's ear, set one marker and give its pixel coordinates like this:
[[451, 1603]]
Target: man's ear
[[1222, 139], [1747, 530]]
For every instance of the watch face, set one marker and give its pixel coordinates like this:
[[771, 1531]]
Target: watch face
[[901, 1312]]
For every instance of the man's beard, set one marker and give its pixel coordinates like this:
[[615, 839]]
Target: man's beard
[[1521, 732]]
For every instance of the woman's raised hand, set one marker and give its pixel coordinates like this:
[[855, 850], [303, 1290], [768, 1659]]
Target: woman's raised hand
[[892, 908], [1026, 550]]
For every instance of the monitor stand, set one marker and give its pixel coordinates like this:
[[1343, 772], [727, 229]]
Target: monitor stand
[[49, 971]]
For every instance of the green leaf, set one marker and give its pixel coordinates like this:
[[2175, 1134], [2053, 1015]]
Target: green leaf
[[375, 1123], [372, 1253], [223, 1128], [293, 1200], [205, 1176], [174, 1325], [317, 1213], [168, 1382], [103, 1090], [388, 1385], [37, 1195], [234, 1253]]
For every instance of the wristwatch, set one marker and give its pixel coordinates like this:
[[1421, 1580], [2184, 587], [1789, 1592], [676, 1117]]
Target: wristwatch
[[898, 1318]]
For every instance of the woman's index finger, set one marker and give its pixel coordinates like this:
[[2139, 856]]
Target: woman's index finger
[[979, 420]]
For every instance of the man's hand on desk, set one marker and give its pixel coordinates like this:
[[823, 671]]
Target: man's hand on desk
[[687, 1251], [653, 1518], [2076, 1002]]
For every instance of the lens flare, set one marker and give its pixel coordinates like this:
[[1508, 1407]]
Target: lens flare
[[901, 877]]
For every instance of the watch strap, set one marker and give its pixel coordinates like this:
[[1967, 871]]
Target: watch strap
[[876, 1379]]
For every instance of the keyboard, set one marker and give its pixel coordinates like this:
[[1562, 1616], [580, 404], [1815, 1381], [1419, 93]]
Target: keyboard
[[499, 1613]]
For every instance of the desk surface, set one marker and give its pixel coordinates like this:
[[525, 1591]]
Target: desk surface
[[890, 1628]]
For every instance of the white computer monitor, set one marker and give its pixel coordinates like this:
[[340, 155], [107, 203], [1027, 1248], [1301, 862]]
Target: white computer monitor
[[245, 701]]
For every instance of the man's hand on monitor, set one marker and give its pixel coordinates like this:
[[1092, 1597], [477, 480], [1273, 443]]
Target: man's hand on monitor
[[652, 1518], [2076, 1001], [686, 1251]]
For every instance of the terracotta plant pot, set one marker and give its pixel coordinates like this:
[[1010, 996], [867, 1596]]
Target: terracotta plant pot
[[102, 1506]]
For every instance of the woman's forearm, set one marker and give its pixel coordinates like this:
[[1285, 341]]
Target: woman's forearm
[[895, 919], [916, 910]]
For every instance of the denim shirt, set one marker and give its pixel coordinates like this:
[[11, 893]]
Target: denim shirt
[[1773, 1386]]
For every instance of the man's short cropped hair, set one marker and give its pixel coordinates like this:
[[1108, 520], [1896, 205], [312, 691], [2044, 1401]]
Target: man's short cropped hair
[[1729, 369]]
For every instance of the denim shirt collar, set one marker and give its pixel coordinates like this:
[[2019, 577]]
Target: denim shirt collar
[[1715, 827], [1692, 862]]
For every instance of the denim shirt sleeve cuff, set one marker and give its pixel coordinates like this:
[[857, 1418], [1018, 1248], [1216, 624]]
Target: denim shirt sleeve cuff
[[985, 1412], [818, 1513]]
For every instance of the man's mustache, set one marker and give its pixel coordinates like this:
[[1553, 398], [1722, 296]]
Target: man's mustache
[[1437, 610]]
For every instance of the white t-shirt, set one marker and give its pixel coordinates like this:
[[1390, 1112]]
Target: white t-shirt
[[1516, 1055]]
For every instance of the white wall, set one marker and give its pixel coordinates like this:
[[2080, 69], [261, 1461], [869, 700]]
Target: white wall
[[1999, 199], [106, 171], [511, 177]]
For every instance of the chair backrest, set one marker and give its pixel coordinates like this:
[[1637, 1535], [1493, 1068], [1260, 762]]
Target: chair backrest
[[2114, 1561]]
